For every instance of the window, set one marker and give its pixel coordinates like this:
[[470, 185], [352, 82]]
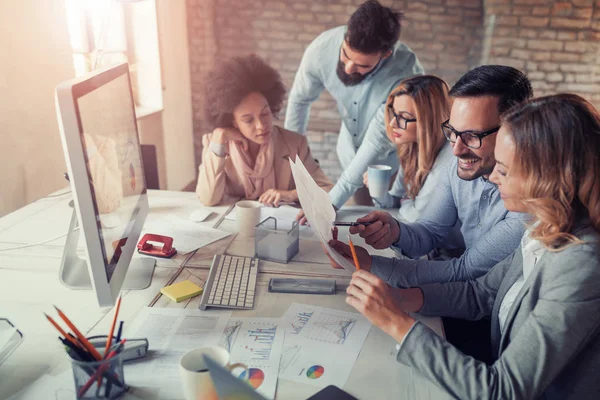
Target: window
[[98, 34], [111, 32]]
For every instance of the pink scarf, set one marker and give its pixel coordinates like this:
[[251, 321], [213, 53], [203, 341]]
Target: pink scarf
[[261, 177]]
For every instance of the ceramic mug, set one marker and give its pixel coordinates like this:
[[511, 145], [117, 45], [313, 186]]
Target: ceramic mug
[[379, 180], [195, 377], [247, 213]]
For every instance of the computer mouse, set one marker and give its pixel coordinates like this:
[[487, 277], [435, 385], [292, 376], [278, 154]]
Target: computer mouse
[[200, 215]]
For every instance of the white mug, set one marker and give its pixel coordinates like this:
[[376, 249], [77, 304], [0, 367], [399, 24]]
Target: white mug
[[195, 377], [379, 180], [247, 213]]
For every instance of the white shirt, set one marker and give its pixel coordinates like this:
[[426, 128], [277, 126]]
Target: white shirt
[[532, 251]]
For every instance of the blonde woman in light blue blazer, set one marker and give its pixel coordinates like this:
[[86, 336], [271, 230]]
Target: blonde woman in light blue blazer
[[544, 299]]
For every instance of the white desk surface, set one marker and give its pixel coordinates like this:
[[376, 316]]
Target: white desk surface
[[29, 286]]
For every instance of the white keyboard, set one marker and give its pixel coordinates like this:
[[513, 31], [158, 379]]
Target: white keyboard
[[231, 283]]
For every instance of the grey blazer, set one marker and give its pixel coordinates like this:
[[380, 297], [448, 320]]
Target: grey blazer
[[550, 348]]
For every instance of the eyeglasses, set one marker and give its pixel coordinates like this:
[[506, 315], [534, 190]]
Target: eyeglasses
[[401, 122], [471, 139]]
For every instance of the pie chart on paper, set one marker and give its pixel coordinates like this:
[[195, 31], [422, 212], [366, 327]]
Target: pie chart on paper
[[315, 372], [255, 377]]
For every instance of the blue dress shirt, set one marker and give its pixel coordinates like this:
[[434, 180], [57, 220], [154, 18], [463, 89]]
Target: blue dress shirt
[[491, 233], [362, 139]]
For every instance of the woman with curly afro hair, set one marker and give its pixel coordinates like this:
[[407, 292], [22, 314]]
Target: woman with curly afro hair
[[246, 155]]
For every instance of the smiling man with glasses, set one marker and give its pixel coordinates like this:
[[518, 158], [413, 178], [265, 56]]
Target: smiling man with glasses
[[358, 64], [464, 195]]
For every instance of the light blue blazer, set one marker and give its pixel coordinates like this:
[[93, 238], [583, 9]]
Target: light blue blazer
[[550, 347]]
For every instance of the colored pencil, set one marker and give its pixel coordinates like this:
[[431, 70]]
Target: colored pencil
[[86, 344], [100, 371], [112, 328], [62, 332], [354, 256]]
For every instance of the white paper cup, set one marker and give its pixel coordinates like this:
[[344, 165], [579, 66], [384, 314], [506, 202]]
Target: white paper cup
[[247, 213], [195, 375], [379, 180]]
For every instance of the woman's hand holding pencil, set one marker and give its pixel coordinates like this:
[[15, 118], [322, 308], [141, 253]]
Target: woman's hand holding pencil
[[363, 258]]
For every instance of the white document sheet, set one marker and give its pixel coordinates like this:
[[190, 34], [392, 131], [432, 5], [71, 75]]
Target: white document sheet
[[187, 235], [256, 342], [320, 214], [171, 333], [321, 344]]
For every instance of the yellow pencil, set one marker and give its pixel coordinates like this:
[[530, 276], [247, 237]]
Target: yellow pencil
[[354, 256]]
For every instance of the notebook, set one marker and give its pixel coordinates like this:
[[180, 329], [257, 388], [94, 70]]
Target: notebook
[[181, 291]]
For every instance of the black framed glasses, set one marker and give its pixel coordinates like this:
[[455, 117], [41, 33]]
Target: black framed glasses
[[401, 121], [471, 139]]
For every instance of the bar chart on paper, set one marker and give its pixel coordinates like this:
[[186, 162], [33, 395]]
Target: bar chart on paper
[[256, 342]]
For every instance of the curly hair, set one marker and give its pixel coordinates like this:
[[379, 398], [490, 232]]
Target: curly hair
[[557, 145], [229, 82]]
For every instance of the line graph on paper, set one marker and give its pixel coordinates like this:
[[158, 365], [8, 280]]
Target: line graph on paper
[[229, 334], [289, 356], [329, 328]]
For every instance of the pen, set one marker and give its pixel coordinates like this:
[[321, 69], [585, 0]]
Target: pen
[[118, 339], [100, 370], [82, 355], [62, 332], [78, 351], [354, 256], [352, 223], [112, 328], [86, 344]]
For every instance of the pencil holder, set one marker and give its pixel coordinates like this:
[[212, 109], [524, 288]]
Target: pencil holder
[[102, 379], [276, 245]]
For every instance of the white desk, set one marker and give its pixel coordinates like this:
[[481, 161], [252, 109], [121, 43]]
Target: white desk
[[29, 286]]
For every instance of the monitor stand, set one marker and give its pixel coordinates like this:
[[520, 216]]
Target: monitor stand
[[74, 273]]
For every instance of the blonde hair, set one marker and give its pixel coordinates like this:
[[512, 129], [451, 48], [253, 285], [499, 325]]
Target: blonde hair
[[557, 153], [432, 107]]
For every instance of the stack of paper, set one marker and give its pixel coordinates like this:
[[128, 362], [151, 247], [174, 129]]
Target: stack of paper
[[316, 204], [187, 236]]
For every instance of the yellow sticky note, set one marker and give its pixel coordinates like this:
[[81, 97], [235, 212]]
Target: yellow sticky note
[[181, 291]]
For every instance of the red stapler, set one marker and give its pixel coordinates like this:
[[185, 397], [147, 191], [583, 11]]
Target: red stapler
[[165, 251]]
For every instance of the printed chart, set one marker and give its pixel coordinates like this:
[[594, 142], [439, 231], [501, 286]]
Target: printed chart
[[300, 319], [315, 372], [255, 378], [258, 343], [229, 334], [321, 344], [330, 327]]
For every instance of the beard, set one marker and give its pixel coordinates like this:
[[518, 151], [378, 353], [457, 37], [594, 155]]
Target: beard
[[350, 79], [479, 168]]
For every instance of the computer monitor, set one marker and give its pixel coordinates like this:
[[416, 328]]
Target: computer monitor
[[96, 115]]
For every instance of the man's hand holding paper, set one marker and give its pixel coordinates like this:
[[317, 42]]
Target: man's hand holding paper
[[318, 210]]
